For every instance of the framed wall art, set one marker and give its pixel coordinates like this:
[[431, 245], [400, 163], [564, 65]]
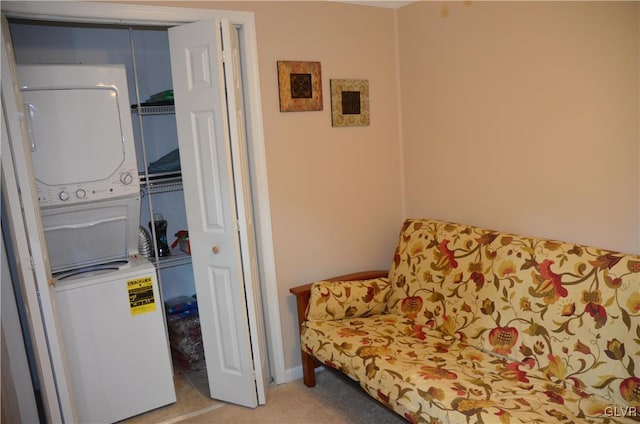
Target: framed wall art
[[349, 103], [300, 85]]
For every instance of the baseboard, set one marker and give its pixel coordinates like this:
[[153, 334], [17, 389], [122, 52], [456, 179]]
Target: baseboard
[[295, 373], [292, 374]]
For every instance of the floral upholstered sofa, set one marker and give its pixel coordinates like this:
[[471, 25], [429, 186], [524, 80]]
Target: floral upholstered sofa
[[477, 326]]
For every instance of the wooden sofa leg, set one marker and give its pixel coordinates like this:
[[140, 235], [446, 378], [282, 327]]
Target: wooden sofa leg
[[308, 369]]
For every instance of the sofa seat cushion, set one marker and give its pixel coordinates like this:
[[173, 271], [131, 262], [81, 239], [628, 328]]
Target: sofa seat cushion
[[425, 376], [354, 345], [456, 382]]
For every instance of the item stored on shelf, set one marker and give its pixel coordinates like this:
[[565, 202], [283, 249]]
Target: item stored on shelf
[[181, 305], [182, 239], [163, 98], [185, 337], [160, 226], [144, 242], [167, 163], [163, 95], [192, 362]]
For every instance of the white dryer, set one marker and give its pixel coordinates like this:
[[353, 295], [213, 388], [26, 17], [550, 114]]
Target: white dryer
[[81, 136], [84, 161]]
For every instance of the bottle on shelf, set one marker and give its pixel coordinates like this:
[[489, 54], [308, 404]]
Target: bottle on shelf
[[160, 225]]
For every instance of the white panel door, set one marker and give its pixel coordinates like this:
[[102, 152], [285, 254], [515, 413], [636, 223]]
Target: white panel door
[[19, 193], [240, 156], [207, 173]]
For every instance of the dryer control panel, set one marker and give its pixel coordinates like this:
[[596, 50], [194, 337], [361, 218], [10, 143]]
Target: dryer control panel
[[80, 132], [125, 184]]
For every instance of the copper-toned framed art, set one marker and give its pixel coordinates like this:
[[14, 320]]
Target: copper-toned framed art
[[349, 103], [300, 85]]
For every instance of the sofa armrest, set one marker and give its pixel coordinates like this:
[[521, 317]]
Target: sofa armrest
[[303, 292]]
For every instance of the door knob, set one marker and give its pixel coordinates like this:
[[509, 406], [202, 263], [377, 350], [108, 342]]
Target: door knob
[[215, 250]]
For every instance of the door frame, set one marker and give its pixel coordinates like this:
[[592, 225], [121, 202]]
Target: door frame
[[118, 13]]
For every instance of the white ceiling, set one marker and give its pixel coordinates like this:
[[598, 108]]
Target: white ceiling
[[379, 3]]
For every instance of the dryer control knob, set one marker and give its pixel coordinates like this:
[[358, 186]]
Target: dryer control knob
[[126, 178], [81, 193], [64, 196]]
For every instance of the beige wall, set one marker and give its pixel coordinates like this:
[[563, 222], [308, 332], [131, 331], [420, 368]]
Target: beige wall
[[335, 203], [523, 116]]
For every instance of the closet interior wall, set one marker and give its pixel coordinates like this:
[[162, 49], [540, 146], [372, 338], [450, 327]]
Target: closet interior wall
[[145, 53]]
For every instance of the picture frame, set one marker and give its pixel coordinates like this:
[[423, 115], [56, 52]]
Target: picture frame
[[349, 102], [300, 86]]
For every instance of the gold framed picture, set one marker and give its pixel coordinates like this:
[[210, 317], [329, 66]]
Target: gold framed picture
[[349, 103], [300, 85]]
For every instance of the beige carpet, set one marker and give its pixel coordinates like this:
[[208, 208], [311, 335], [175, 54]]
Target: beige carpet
[[335, 400]]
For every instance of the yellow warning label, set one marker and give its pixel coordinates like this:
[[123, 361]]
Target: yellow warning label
[[141, 296]]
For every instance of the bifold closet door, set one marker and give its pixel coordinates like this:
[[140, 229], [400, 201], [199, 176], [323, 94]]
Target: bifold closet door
[[198, 62]]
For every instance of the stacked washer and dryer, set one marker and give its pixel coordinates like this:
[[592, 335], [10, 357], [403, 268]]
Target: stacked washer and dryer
[[107, 295]]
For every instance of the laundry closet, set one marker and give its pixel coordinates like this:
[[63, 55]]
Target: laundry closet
[[162, 233], [154, 124]]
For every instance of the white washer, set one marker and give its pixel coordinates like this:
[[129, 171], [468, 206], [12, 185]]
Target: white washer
[[115, 341], [91, 233]]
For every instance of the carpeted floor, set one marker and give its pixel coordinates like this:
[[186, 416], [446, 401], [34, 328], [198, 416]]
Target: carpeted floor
[[335, 400]]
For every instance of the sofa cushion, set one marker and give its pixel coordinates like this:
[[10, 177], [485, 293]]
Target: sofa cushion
[[573, 310], [425, 376], [331, 300], [352, 345], [471, 386]]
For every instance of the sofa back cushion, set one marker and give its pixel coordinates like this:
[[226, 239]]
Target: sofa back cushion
[[333, 300], [573, 311]]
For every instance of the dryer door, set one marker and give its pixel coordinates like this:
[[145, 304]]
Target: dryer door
[[89, 122]]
